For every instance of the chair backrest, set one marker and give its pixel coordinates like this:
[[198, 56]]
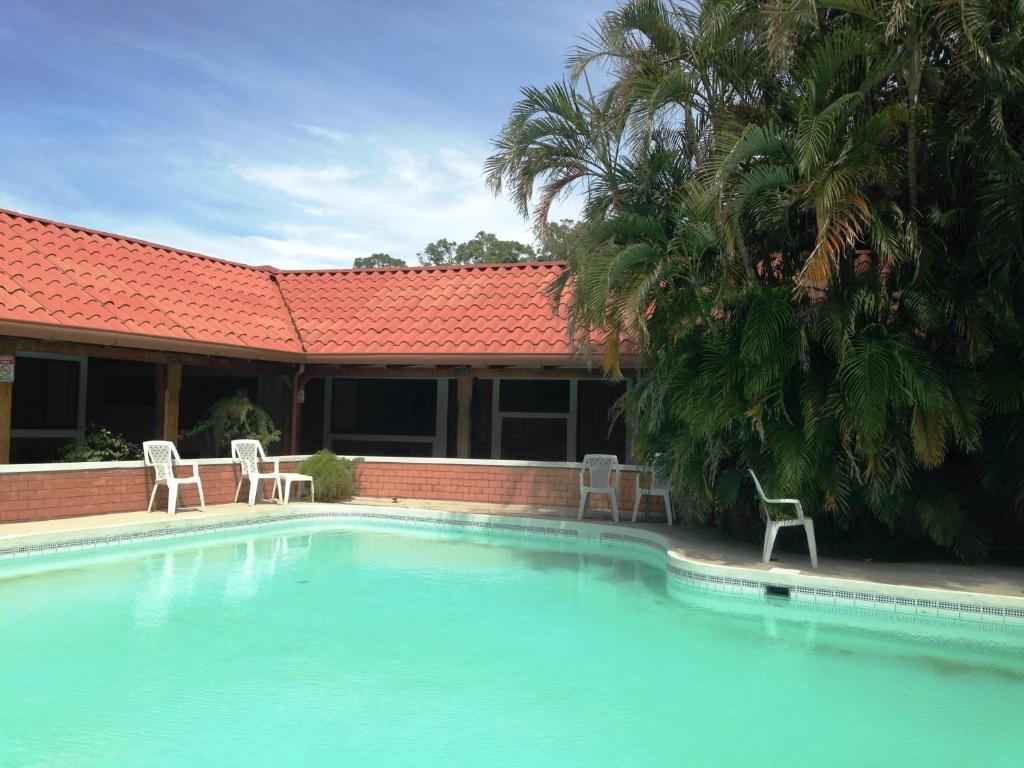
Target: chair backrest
[[757, 484], [248, 453], [161, 456], [600, 466], [766, 501], [658, 481]]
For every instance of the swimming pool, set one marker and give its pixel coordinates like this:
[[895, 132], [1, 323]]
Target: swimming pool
[[330, 644]]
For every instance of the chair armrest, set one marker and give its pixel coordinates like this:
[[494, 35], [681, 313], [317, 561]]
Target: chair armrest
[[640, 479], [782, 501], [187, 464], [793, 502]]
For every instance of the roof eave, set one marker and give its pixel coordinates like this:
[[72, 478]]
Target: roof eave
[[72, 334]]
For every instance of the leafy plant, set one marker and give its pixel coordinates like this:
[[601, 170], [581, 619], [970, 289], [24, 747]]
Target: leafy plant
[[332, 476], [235, 418], [808, 218], [100, 444]]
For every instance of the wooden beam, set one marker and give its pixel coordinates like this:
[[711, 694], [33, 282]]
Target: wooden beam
[[168, 401], [450, 372], [6, 397], [463, 428], [293, 414], [23, 344]]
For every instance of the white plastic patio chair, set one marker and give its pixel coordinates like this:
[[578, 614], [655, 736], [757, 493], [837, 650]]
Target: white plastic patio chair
[[600, 466], [657, 487], [772, 529], [162, 456], [249, 454]]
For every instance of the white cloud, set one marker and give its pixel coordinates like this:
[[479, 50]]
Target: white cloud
[[328, 133], [377, 197]]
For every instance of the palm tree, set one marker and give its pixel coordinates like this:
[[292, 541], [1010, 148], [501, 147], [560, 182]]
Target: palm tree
[[809, 297]]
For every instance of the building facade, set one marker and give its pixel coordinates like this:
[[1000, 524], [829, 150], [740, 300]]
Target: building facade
[[467, 361]]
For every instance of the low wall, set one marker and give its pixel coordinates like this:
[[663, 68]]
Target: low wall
[[49, 491], [545, 484]]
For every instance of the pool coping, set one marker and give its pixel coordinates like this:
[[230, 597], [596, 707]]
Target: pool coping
[[828, 592]]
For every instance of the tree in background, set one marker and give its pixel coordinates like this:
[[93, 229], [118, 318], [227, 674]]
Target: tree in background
[[808, 218], [377, 261], [485, 248], [561, 240]]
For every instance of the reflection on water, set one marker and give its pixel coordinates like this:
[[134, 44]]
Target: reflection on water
[[171, 577]]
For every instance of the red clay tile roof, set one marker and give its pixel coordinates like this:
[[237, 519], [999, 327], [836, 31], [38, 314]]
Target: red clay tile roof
[[74, 284], [495, 310], [81, 280]]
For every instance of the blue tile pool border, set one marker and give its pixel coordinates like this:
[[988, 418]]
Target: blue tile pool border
[[869, 598]]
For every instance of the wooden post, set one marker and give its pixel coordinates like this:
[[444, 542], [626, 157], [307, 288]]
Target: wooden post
[[168, 398], [294, 416], [463, 428], [6, 396]]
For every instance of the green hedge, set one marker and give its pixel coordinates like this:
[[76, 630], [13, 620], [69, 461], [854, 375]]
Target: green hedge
[[332, 475]]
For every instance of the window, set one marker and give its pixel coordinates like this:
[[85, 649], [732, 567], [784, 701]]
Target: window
[[384, 407], [533, 439], [387, 417], [49, 396], [534, 419], [534, 396]]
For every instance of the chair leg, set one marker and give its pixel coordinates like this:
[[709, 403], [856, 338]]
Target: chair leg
[[613, 495], [287, 490], [199, 487], [769, 541], [254, 485], [312, 497], [636, 504], [583, 504], [668, 508], [151, 497], [172, 497], [238, 490], [812, 545]]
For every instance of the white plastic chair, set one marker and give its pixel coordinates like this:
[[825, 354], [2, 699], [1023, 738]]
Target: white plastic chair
[[657, 487], [249, 454], [162, 456], [772, 530], [600, 466]]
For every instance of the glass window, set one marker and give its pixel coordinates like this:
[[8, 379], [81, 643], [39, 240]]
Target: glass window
[[534, 396], [384, 407], [46, 393]]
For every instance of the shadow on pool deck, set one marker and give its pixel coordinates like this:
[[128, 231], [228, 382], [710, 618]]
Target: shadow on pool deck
[[703, 544]]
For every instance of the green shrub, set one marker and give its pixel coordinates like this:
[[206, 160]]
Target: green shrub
[[332, 476], [235, 418], [100, 444]]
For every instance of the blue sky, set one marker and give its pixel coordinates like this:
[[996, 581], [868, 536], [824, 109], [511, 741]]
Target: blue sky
[[298, 134]]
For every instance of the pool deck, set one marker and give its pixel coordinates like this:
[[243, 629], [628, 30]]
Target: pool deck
[[696, 544]]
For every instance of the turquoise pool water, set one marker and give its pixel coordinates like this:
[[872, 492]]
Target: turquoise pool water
[[384, 648]]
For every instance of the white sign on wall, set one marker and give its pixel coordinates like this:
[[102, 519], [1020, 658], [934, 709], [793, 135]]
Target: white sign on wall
[[7, 368]]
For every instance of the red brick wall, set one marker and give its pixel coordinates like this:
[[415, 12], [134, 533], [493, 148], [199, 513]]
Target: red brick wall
[[48, 495], [496, 484]]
